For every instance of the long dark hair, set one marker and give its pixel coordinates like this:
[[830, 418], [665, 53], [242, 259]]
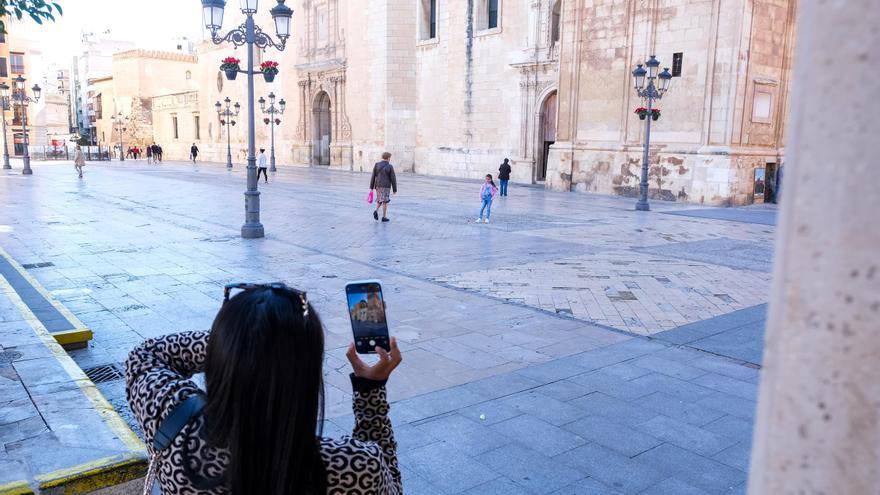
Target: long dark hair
[[489, 176], [265, 390]]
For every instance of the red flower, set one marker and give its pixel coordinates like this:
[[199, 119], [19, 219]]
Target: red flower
[[269, 66], [641, 110], [229, 63]]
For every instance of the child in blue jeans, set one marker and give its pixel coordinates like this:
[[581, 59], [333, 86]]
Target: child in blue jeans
[[487, 194]]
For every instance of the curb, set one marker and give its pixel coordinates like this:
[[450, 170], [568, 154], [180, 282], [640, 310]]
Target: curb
[[97, 474]]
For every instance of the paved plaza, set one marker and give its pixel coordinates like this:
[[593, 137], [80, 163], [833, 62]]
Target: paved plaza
[[571, 346]]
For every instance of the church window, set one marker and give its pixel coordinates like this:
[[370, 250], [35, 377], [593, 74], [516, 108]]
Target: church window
[[488, 14], [762, 106], [555, 20], [493, 14], [677, 60], [428, 17]]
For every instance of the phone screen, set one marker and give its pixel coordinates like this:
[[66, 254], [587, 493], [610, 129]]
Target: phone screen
[[366, 306]]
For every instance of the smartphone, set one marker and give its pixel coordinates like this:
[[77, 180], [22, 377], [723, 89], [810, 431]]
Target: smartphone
[[366, 306]]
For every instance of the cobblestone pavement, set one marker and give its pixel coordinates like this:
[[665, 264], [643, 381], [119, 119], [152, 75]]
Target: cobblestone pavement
[[527, 322]]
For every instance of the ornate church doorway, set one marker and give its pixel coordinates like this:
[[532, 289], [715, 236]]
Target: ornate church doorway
[[321, 135], [546, 135]]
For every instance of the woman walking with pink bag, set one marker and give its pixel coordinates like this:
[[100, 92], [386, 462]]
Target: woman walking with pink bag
[[384, 182]]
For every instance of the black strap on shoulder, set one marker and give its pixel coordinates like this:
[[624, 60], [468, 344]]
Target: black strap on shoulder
[[181, 415]]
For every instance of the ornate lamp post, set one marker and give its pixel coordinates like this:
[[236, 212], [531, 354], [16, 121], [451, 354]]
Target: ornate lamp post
[[650, 93], [249, 34], [119, 122], [19, 94], [226, 115], [272, 120], [4, 101]]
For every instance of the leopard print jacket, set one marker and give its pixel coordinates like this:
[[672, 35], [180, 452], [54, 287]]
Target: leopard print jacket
[[157, 375]]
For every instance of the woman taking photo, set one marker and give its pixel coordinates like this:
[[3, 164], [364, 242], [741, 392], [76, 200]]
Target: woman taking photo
[[257, 428]]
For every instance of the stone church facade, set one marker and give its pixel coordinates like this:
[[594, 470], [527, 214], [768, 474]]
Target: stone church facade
[[451, 87]]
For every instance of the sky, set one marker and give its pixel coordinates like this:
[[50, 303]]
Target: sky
[[146, 22]]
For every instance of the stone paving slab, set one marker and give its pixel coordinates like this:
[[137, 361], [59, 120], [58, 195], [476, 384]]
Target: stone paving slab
[[732, 253], [738, 335], [584, 441], [642, 293], [760, 214], [488, 380]]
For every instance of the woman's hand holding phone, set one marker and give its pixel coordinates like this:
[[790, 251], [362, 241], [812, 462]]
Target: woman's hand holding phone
[[382, 369]]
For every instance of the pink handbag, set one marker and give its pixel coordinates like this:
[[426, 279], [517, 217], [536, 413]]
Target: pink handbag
[[371, 197]]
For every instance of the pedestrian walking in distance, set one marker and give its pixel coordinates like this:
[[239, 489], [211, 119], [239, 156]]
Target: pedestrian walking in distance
[[149, 154], [193, 152], [384, 182], [504, 176], [487, 194], [79, 161], [159, 153], [257, 426], [261, 165]]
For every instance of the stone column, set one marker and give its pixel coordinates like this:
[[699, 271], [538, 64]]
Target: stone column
[[818, 425]]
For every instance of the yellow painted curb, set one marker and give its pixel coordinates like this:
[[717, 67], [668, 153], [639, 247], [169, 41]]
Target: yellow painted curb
[[92, 476], [99, 473], [16, 488], [73, 337], [42, 290]]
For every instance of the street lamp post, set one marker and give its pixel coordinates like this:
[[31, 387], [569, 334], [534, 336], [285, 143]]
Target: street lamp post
[[4, 101], [249, 34], [226, 115], [271, 112], [650, 93], [19, 94], [119, 122]]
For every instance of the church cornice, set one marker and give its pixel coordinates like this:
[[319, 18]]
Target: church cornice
[[157, 55]]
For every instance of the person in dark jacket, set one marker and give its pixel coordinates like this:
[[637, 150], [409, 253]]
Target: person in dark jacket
[[384, 182], [504, 176], [193, 152]]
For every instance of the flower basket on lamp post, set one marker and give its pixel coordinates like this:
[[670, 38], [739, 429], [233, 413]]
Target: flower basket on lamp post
[[655, 114], [269, 70], [230, 65], [642, 113]]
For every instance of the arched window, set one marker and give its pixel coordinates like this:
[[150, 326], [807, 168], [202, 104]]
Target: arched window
[[555, 19], [188, 75]]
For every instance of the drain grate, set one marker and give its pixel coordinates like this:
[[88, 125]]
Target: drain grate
[[7, 357], [105, 373], [38, 265]]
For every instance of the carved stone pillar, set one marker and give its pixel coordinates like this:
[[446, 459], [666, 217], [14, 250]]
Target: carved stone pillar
[[818, 421]]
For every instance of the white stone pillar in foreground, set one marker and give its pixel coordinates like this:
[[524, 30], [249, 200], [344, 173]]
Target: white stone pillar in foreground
[[818, 423]]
